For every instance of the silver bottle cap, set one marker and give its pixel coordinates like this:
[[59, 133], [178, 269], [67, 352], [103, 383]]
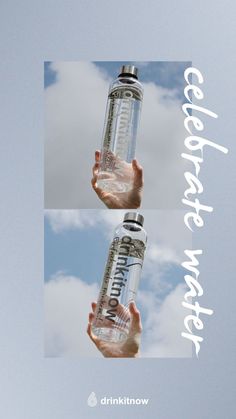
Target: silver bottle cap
[[129, 69], [134, 216]]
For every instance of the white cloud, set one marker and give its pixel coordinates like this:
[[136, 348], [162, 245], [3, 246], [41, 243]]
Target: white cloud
[[61, 220], [167, 234], [166, 227], [74, 115], [67, 303], [67, 299], [163, 255], [164, 325]]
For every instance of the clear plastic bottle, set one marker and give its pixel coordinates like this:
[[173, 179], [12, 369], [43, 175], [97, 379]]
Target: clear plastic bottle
[[120, 131], [121, 278]]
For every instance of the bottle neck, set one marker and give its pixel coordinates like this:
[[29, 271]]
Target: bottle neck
[[127, 76], [133, 222]]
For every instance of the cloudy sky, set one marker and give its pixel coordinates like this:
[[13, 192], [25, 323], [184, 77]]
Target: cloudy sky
[[76, 245], [75, 102]]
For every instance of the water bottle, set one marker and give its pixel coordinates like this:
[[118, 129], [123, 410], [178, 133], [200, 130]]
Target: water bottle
[[121, 278], [120, 131]]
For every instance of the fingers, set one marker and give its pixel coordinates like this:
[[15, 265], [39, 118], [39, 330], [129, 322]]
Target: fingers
[[91, 317], [105, 197], [89, 329], [132, 344], [122, 312], [138, 174], [93, 305], [97, 162], [135, 325], [97, 156], [94, 179], [96, 167], [122, 316], [90, 320], [100, 193], [102, 322], [98, 190]]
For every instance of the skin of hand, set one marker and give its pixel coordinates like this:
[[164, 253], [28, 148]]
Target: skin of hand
[[126, 200], [127, 349]]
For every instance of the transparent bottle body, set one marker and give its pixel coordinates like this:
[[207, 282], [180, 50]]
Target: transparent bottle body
[[119, 135], [120, 283]]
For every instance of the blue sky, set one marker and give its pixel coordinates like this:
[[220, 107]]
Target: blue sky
[[83, 252], [76, 248], [167, 74], [75, 104], [80, 252]]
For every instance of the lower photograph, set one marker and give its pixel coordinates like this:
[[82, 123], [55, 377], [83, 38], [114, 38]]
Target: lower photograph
[[114, 284]]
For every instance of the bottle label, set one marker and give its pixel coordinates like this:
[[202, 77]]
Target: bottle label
[[126, 93], [119, 123], [123, 266]]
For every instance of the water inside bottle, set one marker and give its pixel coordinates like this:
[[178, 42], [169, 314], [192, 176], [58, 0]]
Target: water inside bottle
[[115, 171]]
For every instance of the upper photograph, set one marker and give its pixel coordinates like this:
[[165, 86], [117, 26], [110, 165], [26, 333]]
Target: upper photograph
[[114, 134]]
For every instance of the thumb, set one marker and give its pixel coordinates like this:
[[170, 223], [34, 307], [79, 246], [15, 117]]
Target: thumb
[[138, 174], [135, 324]]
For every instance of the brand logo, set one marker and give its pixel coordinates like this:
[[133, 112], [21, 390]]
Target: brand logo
[[123, 401], [120, 276], [92, 400], [120, 119], [124, 254], [113, 401]]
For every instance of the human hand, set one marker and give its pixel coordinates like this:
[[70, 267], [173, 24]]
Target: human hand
[[126, 349], [121, 200]]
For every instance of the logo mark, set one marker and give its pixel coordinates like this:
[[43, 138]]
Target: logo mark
[[92, 400]]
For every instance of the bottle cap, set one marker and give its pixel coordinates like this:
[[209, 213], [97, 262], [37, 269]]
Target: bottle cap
[[129, 70], [134, 217]]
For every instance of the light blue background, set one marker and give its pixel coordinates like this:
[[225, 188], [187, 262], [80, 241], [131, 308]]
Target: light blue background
[[34, 387]]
